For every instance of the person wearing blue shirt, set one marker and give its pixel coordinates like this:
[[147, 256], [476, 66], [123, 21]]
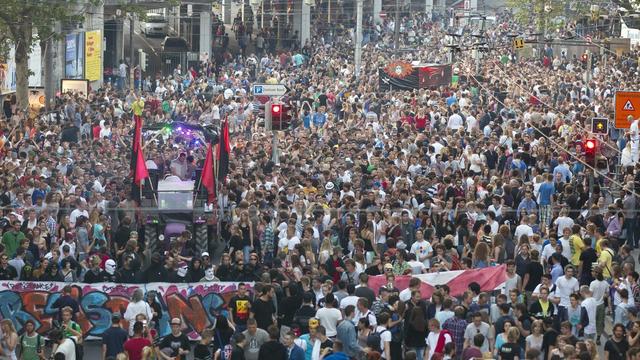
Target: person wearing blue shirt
[[294, 352], [556, 269], [545, 199], [563, 169], [527, 204], [347, 333], [319, 118]]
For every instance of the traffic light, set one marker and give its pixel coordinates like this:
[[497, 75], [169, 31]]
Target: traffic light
[[599, 126], [276, 110], [590, 147]]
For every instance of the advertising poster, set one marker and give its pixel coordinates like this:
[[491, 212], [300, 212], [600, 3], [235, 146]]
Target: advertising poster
[[70, 56], [93, 55]]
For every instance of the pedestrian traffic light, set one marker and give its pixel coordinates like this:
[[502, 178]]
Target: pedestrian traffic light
[[599, 126]]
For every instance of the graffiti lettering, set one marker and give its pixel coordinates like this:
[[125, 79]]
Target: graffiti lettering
[[196, 304]]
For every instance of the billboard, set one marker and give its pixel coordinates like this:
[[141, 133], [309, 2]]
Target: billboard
[[74, 56], [93, 55], [408, 77], [8, 80], [8, 73]]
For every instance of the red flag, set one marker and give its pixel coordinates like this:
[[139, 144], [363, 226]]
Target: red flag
[[141, 168], [137, 138], [207, 179], [224, 150]]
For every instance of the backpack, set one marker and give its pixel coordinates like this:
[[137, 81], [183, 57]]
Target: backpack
[[441, 341], [38, 342], [374, 339]]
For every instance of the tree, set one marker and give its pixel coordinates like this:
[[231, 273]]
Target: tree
[[545, 16], [25, 22]]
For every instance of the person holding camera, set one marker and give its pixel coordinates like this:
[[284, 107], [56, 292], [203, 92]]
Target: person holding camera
[[135, 345], [62, 345]]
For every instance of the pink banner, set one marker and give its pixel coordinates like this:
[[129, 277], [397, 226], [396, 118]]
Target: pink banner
[[489, 279]]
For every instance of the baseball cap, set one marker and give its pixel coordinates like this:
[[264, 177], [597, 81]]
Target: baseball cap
[[176, 321], [388, 266], [313, 323], [204, 253]]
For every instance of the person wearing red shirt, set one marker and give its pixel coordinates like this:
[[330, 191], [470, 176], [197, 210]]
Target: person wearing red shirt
[[137, 342]]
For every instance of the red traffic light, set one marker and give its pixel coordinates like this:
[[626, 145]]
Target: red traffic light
[[276, 109], [590, 144]]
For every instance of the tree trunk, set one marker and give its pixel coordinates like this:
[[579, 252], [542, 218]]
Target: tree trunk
[[23, 47]]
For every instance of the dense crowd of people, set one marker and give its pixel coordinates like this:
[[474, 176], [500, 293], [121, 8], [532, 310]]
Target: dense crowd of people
[[487, 171]]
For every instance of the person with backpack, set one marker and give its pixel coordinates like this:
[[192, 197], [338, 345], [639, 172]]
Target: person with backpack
[[380, 338], [31, 343], [72, 330], [437, 339]]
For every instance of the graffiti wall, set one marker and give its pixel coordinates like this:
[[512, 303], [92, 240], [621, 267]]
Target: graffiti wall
[[197, 304]]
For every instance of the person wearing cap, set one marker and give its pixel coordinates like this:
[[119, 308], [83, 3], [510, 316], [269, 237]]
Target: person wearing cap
[[114, 338], [176, 344]]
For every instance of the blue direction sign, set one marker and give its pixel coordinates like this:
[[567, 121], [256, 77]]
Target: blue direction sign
[[270, 89]]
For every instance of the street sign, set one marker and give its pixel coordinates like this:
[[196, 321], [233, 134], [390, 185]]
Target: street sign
[[627, 103], [600, 125], [518, 43], [270, 89]]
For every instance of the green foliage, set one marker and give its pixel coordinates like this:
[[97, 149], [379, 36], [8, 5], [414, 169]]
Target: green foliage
[[548, 15]]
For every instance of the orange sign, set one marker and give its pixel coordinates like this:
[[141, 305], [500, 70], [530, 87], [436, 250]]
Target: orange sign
[[627, 103]]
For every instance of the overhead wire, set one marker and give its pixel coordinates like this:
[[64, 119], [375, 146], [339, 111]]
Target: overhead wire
[[552, 141], [584, 128]]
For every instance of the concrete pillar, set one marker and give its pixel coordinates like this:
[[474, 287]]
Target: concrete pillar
[[305, 23], [205, 33], [120, 54], [377, 8], [226, 12]]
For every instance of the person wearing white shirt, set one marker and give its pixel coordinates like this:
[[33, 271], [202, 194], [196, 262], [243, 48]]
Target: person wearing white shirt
[[565, 286], [329, 316], [563, 221], [590, 305], [137, 306], [434, 337], [422, 249], [362, 310], [455, 121], [385, 336], [77, 212]]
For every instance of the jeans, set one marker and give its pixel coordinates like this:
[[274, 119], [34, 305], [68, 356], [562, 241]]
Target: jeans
[[419, 352], [246, 251]]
